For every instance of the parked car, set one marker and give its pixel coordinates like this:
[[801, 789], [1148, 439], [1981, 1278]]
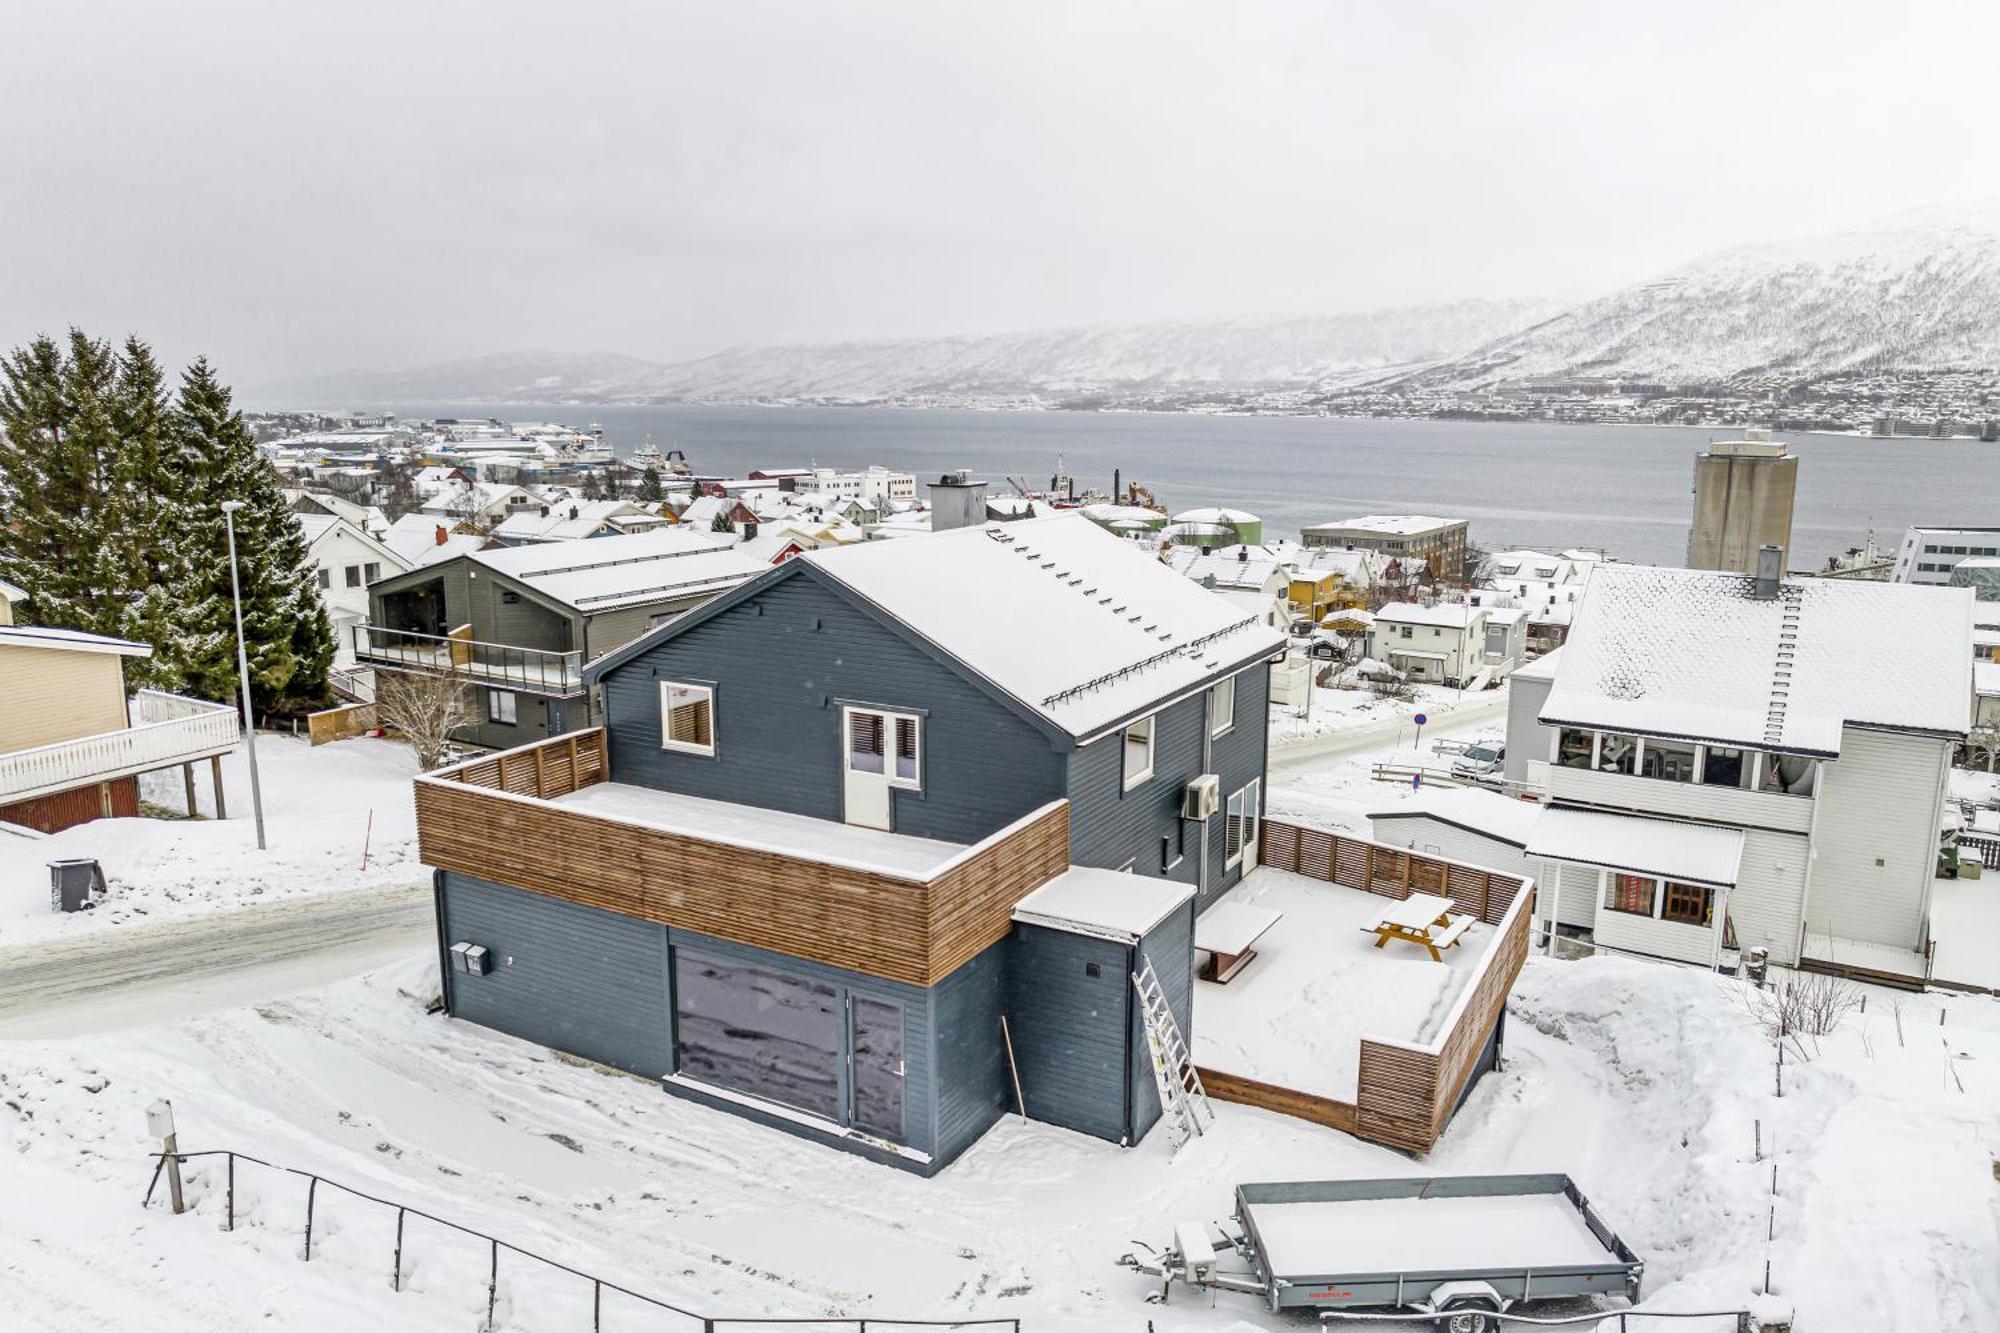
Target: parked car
[[1480, 762]]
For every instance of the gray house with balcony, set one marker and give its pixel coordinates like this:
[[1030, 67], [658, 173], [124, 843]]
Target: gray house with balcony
[[843, 820], [519, 623]]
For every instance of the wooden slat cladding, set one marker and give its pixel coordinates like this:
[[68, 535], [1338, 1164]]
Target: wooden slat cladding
[[1405, 1094], [901, 929], [1226, 1087], [1392, 872]]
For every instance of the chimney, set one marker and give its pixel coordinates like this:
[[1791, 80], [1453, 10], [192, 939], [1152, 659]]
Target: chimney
[[1770, 569], [749, 530], [958, 500], [442, 535], [1243, 554]]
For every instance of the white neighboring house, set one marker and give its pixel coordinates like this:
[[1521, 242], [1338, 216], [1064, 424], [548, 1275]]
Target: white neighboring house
[[1739, 761], [1928, 555], [1482, 828], [563, 520], [425, 539], [347, 561], [368, 518], [484, 504], [1450, 643]]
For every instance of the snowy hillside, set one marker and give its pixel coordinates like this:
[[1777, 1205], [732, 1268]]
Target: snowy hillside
[[1915, 292], [1248, 352], [1055, 364]]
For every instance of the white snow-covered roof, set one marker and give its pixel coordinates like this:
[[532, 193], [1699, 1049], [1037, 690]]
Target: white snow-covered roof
[[69, 640], [1389, 525], [1078, 625], [315, 526], [1111, 513], [1445, 615], [564, 521], [1228, 569], [1179, 529], [1230, 517], [1986, 679], [1667, 848], [1506, 615], [1693, 654], [1110, 904], [1484, 812], [10, 592], [606, 572], [414, 538]]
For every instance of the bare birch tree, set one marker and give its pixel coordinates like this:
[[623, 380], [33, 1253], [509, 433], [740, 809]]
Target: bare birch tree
[[426, 706]]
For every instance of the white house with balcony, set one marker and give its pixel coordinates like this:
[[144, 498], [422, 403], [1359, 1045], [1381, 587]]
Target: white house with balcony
[[72, 744], [1735, 762]]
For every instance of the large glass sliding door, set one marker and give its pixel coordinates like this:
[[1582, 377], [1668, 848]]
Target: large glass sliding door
[[811, 1045], [760, 1032]]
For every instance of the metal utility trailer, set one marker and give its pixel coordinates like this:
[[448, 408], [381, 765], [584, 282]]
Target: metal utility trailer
[[1477, 1244]]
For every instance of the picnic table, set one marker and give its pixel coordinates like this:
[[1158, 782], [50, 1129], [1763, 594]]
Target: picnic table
[[1421, 918], [1225, 932]]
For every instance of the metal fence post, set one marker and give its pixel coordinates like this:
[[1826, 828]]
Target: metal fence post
[[596, 1305], [396, 1273], [312, 1188], [493, 1283], [230, 1205]]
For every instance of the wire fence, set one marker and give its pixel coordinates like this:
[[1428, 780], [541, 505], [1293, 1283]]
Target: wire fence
[[494, 1245]]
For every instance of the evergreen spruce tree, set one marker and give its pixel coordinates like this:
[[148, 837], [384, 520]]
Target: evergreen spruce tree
[[649, 485], [152, 476], [62, 537], [285, 627]]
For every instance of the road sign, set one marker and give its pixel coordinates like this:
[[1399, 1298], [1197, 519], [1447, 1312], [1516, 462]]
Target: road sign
[[1421, 719]]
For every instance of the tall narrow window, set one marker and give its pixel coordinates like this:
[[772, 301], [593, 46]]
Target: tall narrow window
[[864, 742], [687, 717], [909, 770], [1138, 752], [500, 706], [1222, 706]]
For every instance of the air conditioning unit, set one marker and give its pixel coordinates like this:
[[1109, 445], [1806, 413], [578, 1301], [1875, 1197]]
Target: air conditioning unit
[[1202, 797], [471, 959]]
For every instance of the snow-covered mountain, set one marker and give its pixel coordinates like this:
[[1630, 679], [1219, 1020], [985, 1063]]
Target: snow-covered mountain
[[1056, 365], [1081, 362], [1917, 292]]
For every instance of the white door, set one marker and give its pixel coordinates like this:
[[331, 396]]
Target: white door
[[865, 757], [1252, 819]]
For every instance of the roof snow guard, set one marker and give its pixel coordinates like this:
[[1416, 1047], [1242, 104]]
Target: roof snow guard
[[1191, 649], [1074, 624]]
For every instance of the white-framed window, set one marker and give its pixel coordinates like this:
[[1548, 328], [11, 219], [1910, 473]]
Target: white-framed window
[[500, 707], [354, 576], [1138, 743], [687, 717], [908, 768], [1222, 706], [1239, 825], [890, 744]]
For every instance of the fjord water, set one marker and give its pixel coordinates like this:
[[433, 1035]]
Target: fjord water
[[1623, 488]]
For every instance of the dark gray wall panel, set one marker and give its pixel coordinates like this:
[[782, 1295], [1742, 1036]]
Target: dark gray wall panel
[[581, 980], [1237, 756], [782, 659], [973, 1087], [1110, 826], [1070, 1028]]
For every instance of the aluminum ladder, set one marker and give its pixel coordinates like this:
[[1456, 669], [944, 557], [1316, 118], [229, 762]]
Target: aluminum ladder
[[1183, 1101]]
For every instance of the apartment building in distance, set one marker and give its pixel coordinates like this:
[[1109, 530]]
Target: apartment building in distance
[[1929, 555], [1439, 542]]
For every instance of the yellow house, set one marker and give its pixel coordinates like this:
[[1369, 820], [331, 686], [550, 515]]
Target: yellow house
[[72, 745]]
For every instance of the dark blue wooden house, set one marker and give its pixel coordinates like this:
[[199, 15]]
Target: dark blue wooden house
[[844, 819]]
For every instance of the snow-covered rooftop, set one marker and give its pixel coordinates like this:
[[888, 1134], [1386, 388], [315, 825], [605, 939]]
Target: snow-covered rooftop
[[604, 572], [1445, 615], [1074, 623], [1668, 848], [315, 526], [69, 640], [1106, 903], [565, 521], [1542, 668], [1484, 812], [1389, 525], [1231, 517], [1986, 679], [1230, 567], [1694, 654]]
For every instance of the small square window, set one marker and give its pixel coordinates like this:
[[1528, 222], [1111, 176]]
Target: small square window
[[500, 707], [371, 571], [326, 578], [687, 717], [354, 576]]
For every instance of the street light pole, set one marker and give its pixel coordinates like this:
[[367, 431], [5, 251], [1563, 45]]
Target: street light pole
[[229, 508]]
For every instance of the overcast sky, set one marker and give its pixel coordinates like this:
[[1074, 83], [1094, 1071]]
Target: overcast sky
[[294, 188]]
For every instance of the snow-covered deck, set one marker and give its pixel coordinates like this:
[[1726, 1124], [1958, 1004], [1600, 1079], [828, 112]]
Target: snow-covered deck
[[1296, 1015], [1863, 959], [756, 829], [1965, 922]]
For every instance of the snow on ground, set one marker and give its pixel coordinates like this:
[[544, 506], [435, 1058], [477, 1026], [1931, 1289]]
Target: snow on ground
[[1642, 1081], [1337, 710], [1296, 1015], [317, 807]]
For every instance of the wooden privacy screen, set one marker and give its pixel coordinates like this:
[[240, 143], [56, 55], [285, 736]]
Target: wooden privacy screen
[[902, 928], [1406, 1091]]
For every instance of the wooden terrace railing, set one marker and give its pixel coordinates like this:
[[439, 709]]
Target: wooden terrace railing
[[167, 729], [495, 818], [1406, 1091]]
